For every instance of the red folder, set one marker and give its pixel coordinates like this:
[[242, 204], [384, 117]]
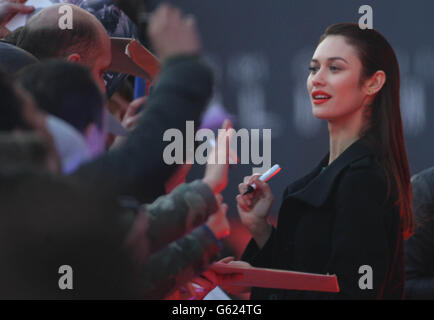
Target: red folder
[[130, 57], [278, 279]]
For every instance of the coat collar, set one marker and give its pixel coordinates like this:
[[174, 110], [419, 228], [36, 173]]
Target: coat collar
[[316, 187]]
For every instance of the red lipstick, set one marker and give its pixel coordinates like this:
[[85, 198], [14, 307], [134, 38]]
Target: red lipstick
[[320, 97]]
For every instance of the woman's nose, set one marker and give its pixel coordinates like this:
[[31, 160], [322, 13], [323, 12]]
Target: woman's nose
[[318, 79]]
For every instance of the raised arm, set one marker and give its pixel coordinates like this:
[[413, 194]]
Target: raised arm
[[179, 95]]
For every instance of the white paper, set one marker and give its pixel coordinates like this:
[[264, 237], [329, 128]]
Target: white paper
[[217, 294], [114, 126], [20, 19]]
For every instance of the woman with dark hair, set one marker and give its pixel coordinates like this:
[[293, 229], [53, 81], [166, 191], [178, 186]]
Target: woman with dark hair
[[354, 209], [350, 215]]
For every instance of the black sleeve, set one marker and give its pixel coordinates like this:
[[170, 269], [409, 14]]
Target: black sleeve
[[259, 257], [180, 94]]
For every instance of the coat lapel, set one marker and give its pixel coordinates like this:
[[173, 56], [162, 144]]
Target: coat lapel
[[317, 187]]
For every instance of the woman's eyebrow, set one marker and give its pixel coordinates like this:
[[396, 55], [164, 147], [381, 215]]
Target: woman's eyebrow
[[331, 59]]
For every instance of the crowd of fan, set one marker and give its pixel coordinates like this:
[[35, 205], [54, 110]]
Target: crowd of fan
[[68, 197], [71, 194]]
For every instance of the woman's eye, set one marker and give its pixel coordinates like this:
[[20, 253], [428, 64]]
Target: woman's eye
[[313, 69], [334, 68]]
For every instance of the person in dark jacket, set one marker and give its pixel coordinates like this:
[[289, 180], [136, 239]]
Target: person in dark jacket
[[115, 251], [193, 204], [419, 248], [350, 215], [133, 168], [161, 245], [137, 165]]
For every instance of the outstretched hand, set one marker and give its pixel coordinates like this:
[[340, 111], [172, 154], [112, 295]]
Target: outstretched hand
[[216, 174], [173, 34], [133, 115], [130, 119], [218, 221], [9, 8]]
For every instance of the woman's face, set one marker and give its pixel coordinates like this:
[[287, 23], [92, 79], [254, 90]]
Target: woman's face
[[333, 82]]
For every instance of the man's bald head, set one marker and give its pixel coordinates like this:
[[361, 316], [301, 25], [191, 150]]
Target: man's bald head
[[86, 43]]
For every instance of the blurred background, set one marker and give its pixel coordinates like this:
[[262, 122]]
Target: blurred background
[[260, 52]]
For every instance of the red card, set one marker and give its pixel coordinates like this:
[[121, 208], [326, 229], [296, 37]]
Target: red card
[[130, 57], [144, 58], [278, 279]]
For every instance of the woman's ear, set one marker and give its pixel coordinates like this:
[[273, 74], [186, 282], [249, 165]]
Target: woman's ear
[[375, 83]]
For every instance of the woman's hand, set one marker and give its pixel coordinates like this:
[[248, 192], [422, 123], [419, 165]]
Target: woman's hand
[[218, 222], [254, 208], [216, 174]]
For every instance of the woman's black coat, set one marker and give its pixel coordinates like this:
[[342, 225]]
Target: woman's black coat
[[335, 222]]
